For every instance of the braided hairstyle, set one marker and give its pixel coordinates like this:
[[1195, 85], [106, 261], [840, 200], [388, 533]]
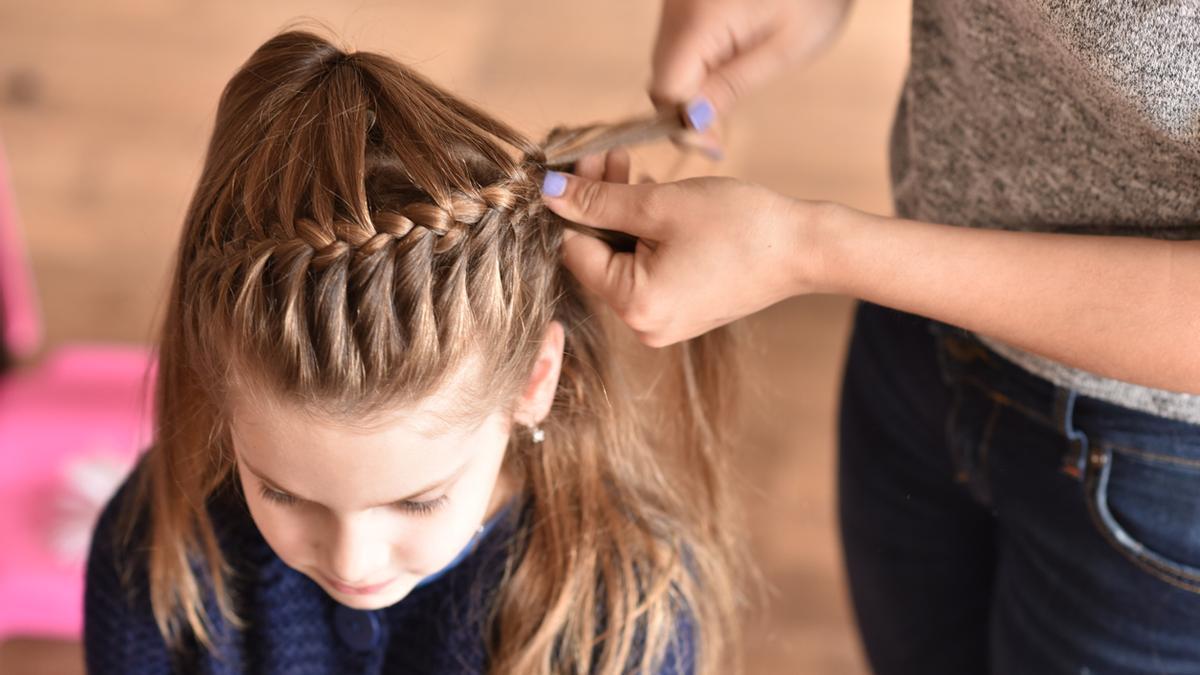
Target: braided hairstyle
[[357, 236]]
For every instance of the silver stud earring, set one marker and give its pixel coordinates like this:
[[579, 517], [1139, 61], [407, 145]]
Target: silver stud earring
[[537, 434]]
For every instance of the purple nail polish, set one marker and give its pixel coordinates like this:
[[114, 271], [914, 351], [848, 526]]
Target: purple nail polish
[[700, 114], [554, 184]]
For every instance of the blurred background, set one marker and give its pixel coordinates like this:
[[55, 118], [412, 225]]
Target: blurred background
[[105, 109]]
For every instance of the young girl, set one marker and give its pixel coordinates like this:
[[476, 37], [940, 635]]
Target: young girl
[[390, 435]]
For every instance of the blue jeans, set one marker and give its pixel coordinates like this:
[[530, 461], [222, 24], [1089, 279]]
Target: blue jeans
[[993, 522]]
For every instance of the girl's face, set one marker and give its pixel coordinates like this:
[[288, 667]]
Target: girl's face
[[368, 513]]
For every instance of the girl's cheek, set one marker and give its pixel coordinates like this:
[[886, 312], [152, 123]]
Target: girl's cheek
[[296, 534], [426, 544]]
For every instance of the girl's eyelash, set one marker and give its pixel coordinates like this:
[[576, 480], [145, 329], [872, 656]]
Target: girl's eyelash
[[423, 508], [277, 496], [420, 508]]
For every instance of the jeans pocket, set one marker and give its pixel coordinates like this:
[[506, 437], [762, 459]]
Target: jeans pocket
[[1147, 505]]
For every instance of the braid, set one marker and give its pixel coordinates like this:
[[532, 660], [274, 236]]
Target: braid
[[342, 292], [342, 285]]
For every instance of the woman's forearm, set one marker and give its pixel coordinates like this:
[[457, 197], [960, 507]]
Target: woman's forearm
[[1126, 308]]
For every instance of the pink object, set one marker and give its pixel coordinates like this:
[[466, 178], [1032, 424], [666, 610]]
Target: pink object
[[21, 325], [71, 427], [70, 430]]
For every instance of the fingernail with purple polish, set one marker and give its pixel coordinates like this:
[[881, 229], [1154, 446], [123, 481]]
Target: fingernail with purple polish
[[554, 184], [700, 114]]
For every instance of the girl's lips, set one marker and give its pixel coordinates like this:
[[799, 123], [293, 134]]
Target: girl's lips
[[358, 590]]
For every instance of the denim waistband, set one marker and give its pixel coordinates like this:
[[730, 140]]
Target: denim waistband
[[963, 357]]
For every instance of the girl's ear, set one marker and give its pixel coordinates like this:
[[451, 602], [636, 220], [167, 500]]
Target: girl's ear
[[534, 404]]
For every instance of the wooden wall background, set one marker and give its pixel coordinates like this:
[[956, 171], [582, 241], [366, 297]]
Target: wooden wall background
[[105, 109]]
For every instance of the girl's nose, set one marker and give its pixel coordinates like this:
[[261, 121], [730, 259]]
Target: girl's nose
[[359, 555]]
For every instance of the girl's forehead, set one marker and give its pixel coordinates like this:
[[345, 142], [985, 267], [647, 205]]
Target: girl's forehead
[[459, 399], [397, 449]]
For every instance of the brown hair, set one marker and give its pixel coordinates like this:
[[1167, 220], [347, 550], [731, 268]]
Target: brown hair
[[357, 232]]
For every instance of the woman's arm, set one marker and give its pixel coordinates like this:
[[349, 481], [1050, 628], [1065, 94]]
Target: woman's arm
[[715, 249], [1122, 307]]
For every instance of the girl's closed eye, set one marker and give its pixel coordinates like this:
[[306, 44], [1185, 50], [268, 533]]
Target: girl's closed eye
[[273, 495], [420, 507], [423, 507]]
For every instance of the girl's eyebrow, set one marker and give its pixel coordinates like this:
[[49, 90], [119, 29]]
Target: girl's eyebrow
[[434, 485]]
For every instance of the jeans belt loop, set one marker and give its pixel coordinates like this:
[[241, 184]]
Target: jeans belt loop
[[1075, 459]]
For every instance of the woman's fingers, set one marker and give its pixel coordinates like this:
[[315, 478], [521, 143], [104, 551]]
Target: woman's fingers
[[608, 206], [611, 166], [591, 166], [716, 51], [697, 40], [599, 269], [616, 166], [726, 84], [709, 250]]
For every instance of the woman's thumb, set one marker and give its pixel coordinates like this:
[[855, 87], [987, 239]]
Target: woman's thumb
[[608, 206]]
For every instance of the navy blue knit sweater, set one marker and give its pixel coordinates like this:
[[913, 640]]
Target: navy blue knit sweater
[[292, 625]]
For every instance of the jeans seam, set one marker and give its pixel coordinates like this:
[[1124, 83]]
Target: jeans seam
[[1008, 401], [1182, 579], [1154, 456], [984, 476], [973, 472], [951, 350], [1140, 563]]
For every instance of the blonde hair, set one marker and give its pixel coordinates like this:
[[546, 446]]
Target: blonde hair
[[358, 232]]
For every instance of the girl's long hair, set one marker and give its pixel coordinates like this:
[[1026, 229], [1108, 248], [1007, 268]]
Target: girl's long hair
[[356, 236]]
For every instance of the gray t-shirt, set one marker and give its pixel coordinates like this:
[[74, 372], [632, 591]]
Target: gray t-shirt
[[1056, 115]]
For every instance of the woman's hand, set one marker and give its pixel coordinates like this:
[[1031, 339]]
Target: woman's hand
[[709, 251], [712, 52]]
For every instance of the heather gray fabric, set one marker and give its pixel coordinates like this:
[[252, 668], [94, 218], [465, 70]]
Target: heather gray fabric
[[1067, 116]]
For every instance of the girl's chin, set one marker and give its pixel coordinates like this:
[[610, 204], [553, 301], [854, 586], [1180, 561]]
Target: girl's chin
[[379, 600], [369, 602]]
